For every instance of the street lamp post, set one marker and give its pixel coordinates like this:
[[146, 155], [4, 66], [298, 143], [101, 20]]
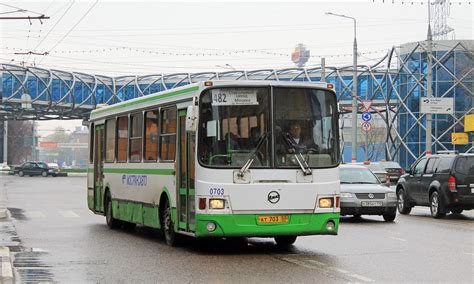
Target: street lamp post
[[354, 88]]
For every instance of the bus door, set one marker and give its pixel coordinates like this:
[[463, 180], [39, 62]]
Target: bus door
[[186, 203], [98, 168]]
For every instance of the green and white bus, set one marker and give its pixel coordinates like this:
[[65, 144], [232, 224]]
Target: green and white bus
[[220, 159]]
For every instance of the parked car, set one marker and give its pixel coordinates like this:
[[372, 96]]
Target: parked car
[[362, 193], [378, 170], [394, 170], [35, 169], [444, 182]]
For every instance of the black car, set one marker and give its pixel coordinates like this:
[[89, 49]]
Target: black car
[[35, 169], [394, 170], [445, 182]]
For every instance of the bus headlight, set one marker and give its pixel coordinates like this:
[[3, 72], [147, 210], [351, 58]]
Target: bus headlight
[[325, 203], [216, 203]]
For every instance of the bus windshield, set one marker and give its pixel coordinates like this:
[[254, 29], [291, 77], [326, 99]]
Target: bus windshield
[[236, 125]]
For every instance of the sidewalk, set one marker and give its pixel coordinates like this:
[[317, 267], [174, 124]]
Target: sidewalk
[[8, 237]]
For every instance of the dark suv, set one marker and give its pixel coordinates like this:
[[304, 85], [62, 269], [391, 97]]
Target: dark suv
[[445, 182]]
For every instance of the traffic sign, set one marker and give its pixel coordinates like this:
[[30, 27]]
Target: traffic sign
[[437, 105], [459, 138], [366, 126], [366, 104], [366, 116]]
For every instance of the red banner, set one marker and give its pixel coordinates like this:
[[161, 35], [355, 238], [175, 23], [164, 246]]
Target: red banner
[[48, 144]]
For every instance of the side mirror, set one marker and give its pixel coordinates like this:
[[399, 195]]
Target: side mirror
[[192, 117], [408, 171]]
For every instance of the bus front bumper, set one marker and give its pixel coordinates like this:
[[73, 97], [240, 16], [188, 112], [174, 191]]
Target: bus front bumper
[[247, 225]]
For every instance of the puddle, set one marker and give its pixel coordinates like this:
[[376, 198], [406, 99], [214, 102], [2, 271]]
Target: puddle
[[28, 263], [29, 266]]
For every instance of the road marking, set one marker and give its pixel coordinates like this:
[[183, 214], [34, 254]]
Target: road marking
[[297, 262], [320, 265], [469, 253], [361, 278], [69, 214], [398, 239], [35, 214]]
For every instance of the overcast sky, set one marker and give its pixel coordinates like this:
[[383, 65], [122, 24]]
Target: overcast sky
[[130, 37]]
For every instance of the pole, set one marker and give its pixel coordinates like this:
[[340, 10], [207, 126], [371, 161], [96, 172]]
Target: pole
[[5, 141], [354, 100], [429, 91], [354, 89], [323, 69]]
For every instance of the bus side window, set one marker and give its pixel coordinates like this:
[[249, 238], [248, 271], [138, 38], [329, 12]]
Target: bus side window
[[168, 134], [151, 136], [110, 140], [136, 122], [122, 139]]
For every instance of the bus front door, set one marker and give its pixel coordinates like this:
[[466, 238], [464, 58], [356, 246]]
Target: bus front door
[[99, 168], [186, 203]]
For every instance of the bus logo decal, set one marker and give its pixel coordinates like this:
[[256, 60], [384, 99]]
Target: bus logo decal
[[273, 197]]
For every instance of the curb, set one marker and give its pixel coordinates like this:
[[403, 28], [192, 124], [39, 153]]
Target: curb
[[7, 269], [76, 174]]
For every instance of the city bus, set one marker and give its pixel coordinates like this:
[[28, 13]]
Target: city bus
[[219, 159]]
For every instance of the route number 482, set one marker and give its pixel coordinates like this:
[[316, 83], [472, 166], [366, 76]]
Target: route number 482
[[219, 98]]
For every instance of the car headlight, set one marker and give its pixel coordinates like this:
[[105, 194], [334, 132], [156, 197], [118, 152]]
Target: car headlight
[[391, 195], [216, 203], [346, 195]]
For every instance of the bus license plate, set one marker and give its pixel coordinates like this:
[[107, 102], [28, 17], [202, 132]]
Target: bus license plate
[[372, 203], [273, 219]]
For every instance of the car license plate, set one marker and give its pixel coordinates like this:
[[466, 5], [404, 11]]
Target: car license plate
[[472, 189], [273, 219], [372, 203]]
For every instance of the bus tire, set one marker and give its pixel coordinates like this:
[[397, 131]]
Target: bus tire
[[285, 241], [168, 227], [112, 223]]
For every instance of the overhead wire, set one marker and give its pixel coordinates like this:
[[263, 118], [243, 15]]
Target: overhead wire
[[73, 27]]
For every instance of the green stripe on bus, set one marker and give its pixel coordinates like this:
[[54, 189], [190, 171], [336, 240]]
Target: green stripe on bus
[[145, 99], [163, 172]]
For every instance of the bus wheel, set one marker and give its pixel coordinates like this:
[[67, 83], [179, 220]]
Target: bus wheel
[[112, 223], [285, 241], [168, 228]]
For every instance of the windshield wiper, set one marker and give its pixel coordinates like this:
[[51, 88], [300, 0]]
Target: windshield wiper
[[303, 165], [249, 162]]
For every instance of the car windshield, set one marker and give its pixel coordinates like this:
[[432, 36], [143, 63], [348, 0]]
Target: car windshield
[[391, 165], [234, 121], [358, 176], [376, 167]]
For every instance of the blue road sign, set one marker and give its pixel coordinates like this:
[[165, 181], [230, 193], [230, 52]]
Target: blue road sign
[[366, 116]]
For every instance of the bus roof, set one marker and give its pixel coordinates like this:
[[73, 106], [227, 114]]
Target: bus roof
[[188, 92]]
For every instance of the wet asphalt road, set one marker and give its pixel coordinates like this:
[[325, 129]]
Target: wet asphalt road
[[58, 239]]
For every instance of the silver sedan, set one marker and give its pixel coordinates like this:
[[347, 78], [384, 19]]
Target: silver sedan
[[362, 193]]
